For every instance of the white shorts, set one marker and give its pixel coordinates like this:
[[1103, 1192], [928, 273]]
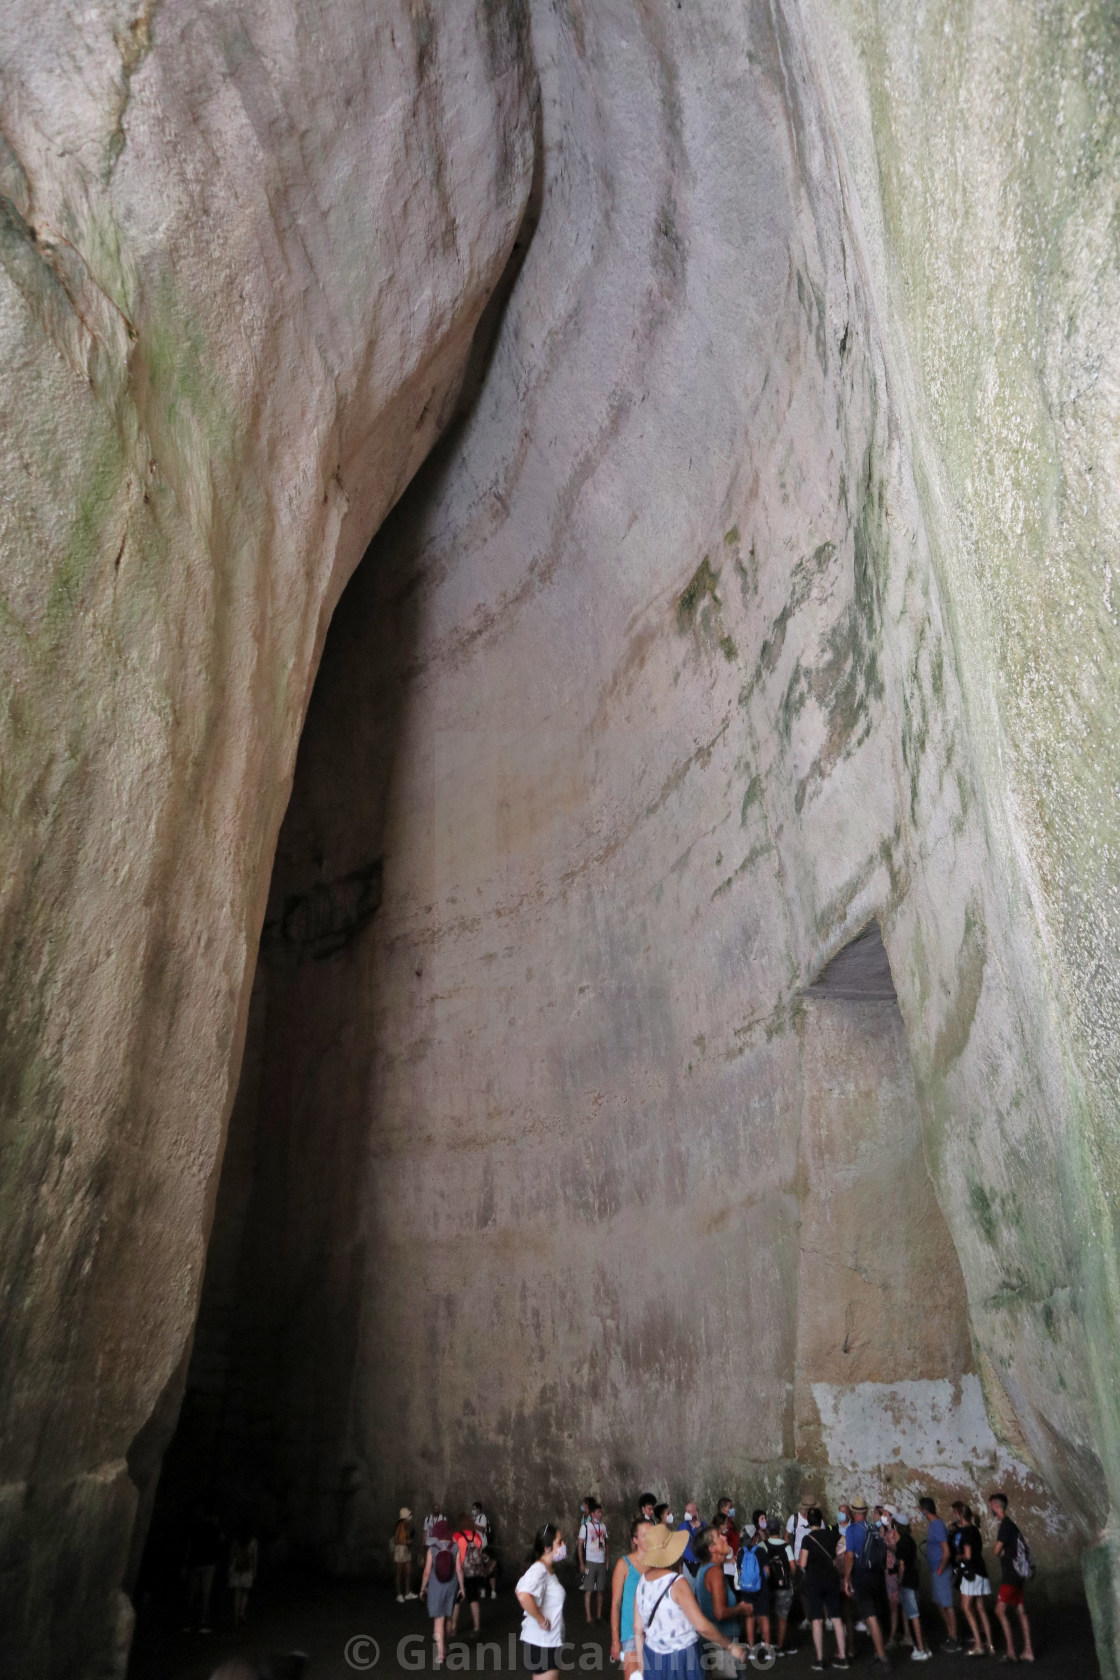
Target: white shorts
[[981, 1587]]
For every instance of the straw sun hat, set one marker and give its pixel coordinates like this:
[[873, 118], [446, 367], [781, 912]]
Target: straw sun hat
[[664, 1546]]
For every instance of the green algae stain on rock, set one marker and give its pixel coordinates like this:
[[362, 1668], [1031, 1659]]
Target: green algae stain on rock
[[981, 1204], [753, 796], [702, 583], [85, 547]]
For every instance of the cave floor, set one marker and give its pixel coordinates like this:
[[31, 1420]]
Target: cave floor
[[336, 1623]]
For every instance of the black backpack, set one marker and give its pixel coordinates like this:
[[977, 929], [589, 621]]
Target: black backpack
[[780, 1577], [872, 1559]]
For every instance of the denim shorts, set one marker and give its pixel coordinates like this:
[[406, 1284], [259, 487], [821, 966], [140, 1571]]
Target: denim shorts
[[909, 1599]]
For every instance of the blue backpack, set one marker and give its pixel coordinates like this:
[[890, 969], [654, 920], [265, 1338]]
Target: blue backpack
[[748, 1576]]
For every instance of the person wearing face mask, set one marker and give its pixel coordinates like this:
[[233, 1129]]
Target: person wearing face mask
[[754, 1578], [691, 1525], [541, 1597]]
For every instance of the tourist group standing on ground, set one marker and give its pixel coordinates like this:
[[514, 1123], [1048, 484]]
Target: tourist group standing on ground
[[693, 1597]]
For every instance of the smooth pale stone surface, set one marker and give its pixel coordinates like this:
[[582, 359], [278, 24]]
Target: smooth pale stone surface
[[649, 700], [763, 593], [243, 249]]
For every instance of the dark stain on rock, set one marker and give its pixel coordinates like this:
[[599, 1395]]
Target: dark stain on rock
[[957, 1024], [983, 1211], [325, 920]]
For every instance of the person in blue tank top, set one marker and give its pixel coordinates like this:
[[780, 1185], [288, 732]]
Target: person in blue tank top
[[624, 1580], [711, 1585]]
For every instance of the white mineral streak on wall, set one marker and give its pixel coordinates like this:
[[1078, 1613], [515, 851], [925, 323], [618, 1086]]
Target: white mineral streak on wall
[[933, 1432]]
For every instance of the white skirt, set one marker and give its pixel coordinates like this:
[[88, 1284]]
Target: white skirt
[[981, 1587]]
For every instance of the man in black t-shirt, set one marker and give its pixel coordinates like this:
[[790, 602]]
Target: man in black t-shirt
[[1011, 1582], [820, 1585]]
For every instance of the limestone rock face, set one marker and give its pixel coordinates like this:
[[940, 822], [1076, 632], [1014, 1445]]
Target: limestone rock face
[[667, 678], [757, 599], [983, 149], [243, 249]]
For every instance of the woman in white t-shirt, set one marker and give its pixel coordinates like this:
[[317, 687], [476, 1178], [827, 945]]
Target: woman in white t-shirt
[[668, 1622], [541, 1597]]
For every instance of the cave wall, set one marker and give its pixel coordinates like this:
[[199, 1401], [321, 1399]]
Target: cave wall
[[242, 255], [764, 590], [677, 706], [981, 148]]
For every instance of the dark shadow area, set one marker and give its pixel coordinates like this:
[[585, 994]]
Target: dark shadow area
[[860, 973], [260, 1445], [326, 1618]]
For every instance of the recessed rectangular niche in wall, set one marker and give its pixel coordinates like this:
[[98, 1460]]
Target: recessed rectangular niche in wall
[[860, 973]]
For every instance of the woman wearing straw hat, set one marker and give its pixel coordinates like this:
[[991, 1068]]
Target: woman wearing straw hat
[[668, 1622]]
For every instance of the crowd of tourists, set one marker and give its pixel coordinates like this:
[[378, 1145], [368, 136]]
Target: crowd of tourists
[[692, 1596]]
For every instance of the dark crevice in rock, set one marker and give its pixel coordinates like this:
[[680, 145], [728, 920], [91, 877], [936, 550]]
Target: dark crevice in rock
[[860, 973], [325, 920]]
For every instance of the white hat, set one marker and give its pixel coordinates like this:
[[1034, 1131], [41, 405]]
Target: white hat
[[901, 1517]]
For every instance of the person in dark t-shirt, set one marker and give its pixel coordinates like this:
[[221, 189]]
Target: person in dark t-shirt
[[1011, 1582], [820, 1585], [972, 1572], [906, 1559]]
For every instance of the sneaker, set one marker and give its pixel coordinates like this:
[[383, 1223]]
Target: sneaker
[[400, 1598], [841, 1662], [861, 1627], [409, 1596], [817, 1668], [920, 1656], [951, 1645]]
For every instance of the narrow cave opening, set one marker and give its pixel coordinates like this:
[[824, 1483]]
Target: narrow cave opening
[[872, 1237], [256, 1424], [266, 1389]]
